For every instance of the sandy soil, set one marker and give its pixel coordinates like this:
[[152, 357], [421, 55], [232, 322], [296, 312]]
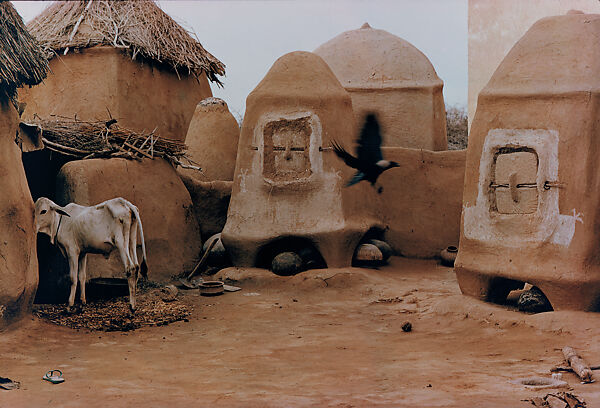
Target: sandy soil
[[320, 338]]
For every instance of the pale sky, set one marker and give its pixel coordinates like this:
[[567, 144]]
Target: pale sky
[[249, 35]]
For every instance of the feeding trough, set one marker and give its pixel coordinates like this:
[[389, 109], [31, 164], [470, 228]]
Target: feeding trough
[[106, 288]]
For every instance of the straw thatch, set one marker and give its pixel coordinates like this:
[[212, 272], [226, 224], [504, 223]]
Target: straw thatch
[[138, 26], [22, 61], [86, 140]]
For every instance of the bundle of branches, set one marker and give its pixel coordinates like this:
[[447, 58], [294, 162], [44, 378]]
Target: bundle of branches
[[139, 26], [86, 140]]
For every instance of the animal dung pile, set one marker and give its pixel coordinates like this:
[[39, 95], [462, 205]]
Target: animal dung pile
[[114, 315], [87, 140]]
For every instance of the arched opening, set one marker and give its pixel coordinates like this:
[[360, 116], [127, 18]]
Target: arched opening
[[303, 247], [41, 168]]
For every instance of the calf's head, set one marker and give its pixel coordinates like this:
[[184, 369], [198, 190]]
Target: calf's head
[[47, 217]]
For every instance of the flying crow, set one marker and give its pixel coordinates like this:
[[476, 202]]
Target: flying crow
[[370, 163]]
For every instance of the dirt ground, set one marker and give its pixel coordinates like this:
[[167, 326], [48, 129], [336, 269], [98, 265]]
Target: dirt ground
[[327, 338]]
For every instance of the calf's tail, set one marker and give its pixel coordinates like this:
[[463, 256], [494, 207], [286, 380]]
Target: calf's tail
[[144, 264]]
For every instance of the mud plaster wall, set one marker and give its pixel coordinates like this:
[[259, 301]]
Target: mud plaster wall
[[410, 117], [495, 26], [18, 260], [421, 202], [212, 140], [172, 235], [533, 101], [302, 196], [138, 95]]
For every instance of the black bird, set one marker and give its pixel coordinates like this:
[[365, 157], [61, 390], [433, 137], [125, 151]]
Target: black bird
[[369, 163]]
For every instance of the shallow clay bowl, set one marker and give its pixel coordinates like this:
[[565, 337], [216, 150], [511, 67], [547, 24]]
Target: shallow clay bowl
[[211, 288]]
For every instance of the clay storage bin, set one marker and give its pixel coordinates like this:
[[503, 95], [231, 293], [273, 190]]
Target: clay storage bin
[[389, 76], [143, 87], [288, 182], [531, 185], [212, 140]]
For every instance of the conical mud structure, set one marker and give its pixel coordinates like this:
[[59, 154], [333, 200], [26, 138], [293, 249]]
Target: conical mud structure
[[288, 183], [533, 169]]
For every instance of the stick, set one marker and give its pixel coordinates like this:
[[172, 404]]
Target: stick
[[580, 367], [203, 260], [77, 26], [137, 150], [64, 148]]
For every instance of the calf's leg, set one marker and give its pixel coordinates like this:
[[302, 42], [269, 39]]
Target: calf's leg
[[73, 263], [130, 269], [82, 277]]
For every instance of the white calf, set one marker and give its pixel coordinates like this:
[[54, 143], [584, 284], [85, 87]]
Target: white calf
[[79, 230]]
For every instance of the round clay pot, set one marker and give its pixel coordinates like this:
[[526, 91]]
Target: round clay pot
[[384, 247], [286, 264], [448, 256]]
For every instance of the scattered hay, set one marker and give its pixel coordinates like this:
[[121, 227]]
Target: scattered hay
[[114, 315]]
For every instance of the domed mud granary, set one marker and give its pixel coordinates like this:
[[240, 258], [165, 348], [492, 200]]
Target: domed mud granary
[[531, 184], [389, 76], [21, 63], [128, 58]]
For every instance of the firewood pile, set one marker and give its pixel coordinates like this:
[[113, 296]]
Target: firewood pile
[[114, 314], [86, 140]]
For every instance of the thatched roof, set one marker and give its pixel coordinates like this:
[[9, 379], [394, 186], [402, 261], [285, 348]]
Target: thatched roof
[[138, 26], [22, 61]]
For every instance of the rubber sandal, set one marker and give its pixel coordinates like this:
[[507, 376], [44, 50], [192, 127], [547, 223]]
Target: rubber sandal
[[8, 384], [54, 376]]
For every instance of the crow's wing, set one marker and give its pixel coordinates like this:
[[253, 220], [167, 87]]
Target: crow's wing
[[359, 176], [369, 142], [344, 155]]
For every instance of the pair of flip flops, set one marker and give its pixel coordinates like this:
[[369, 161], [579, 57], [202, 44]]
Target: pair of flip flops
[[54, 376]]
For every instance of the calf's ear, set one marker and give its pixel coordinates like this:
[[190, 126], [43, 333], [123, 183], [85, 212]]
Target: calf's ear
[[61, 211]]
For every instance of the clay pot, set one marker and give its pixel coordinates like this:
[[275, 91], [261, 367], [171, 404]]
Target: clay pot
[[286, 264], [384, 247], [448, 256]]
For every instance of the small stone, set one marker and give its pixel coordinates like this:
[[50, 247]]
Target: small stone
[[407, 326]]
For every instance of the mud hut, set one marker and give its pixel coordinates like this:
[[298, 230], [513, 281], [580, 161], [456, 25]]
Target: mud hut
[[124, 59], [531, 185], [22, 62], [388, 75]]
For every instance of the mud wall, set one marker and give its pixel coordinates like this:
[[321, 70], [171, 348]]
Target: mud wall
[[140, 96], [173, 241], [421, 202], [18, 260]]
